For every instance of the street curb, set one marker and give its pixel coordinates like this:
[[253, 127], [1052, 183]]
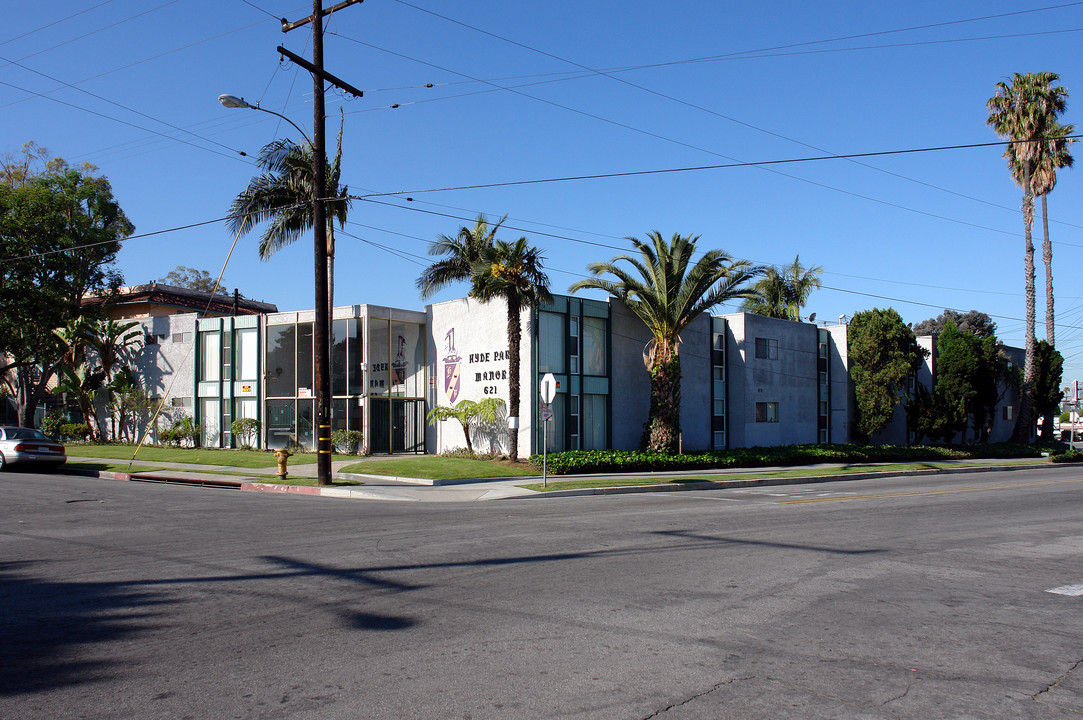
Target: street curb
[[227, 484], [425, 482], [371, 494]]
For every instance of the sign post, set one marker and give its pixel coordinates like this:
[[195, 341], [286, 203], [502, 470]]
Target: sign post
[[548, 392]]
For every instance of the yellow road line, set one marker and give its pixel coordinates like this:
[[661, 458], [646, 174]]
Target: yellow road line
[[939, 491]]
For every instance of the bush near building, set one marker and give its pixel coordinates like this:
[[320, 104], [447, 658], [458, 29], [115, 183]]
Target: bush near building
[[620, 461]]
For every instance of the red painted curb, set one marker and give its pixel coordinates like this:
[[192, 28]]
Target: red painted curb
[[266, 487]]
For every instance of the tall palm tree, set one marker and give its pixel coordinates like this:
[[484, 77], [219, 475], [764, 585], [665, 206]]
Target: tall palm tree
[[281, 196], [513, 272], [1024, 112], [1052, 155], [669, 293], [768, 296], [463, 252], [782, 292]]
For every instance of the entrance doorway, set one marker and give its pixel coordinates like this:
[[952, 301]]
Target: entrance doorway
[[396, 425]]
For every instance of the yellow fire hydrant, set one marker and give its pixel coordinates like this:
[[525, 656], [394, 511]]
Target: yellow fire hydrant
[[281, 455]]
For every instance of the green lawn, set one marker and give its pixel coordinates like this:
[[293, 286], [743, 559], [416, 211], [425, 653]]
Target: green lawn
[[602, 481], [433, 467], [195, 456]]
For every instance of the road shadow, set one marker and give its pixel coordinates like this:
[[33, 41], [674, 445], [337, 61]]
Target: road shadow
[[41, 621]]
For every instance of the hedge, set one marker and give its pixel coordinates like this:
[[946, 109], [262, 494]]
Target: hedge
[[576, 462]]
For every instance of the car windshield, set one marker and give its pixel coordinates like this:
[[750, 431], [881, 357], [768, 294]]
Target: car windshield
[[25, 434]]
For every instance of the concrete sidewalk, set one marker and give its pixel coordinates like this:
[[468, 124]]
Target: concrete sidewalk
[[379, 487]]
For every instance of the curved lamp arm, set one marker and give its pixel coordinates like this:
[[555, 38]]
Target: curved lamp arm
[[232, 101]]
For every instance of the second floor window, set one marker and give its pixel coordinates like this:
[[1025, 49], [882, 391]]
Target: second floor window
[[767, 348]]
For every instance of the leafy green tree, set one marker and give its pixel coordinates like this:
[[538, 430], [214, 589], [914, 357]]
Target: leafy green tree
[[1047, 388], [245, 431], [468, 413], [971, 376], [958, 365], [996, 375], [186, 277], [60, 232], [1025, 113], [512, 272], [928, 417], [282, 197], [463, 252], [883, 353], [667, 291], [782, 292], [972, 321]]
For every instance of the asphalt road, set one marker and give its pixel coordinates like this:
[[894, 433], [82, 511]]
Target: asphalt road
[[905, 598]]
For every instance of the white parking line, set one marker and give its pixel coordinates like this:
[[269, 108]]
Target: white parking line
[[1073, 590]]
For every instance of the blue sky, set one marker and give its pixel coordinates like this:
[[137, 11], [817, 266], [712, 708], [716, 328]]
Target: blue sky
[[517, 95]]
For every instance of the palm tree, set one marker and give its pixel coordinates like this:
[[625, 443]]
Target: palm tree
[[782, 292], [469, 414], [114, 344], [1052, 155], [668, 294], [1024, 112], [282, 197], [463, 251], [513, 272]]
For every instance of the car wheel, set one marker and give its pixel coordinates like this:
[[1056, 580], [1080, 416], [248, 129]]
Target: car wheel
[[3, 465]]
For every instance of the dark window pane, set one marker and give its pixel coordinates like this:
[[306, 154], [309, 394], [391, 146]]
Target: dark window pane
[[304, 360], [281, 361]]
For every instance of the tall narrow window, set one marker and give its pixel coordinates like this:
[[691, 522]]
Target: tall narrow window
[[210, 356], [594, 360], [247, 353]]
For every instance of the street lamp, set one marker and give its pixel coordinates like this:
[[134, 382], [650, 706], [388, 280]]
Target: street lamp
[[232, 102]]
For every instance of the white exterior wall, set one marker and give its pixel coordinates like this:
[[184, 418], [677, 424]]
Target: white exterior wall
[[468, 345], [841, 417], [166, 369]]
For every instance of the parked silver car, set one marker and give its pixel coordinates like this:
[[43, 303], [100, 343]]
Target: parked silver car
[[26, 446]]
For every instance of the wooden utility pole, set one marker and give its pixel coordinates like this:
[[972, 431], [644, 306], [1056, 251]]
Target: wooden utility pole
[[321, 327]]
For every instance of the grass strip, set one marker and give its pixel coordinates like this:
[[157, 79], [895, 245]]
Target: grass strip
[[193, 456], [604, 482], [434, 467]]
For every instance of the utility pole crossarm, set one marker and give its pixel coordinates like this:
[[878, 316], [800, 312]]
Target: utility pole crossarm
[[320, 72], [287, 25]]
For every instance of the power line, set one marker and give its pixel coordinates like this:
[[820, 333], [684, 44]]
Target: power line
[[696, 168], [734, 120], [759, 165], [55, 22], [101, 29], [116, 104], [621, 248]]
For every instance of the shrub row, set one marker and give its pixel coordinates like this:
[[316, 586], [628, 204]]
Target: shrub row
[[1068, 456], [602, 461]]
